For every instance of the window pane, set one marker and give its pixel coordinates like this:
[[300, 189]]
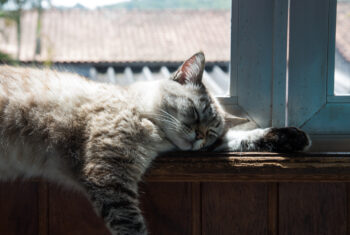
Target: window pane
[[342, 52], [124, 41]]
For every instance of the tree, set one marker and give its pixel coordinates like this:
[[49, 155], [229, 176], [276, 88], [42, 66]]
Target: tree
[[14, 14]]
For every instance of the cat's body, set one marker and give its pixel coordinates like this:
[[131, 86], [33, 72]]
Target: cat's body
[[101, 138], [61, 114]]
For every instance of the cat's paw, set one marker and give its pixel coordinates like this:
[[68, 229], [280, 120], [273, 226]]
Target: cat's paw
[[287, 139]]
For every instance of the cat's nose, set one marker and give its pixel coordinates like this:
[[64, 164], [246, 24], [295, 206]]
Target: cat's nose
[[199, 135]]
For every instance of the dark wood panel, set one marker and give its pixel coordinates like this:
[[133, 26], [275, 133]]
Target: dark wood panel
[[234, 208], [19, 208], [348, 208], [167, 208], [196, 208], [70, 213], [312, 208], [273, 208], [43, 207]]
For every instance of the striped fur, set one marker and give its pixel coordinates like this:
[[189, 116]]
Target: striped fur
[[101, 138]]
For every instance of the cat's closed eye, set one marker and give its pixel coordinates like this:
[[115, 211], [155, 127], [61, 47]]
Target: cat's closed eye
[[212, 132], [196, 115], [191, 116]]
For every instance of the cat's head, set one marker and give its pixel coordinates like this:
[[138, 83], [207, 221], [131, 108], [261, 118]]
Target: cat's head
[[190, 116]]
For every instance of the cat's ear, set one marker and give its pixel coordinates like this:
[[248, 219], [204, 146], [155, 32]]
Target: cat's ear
[[232, 120], [191, 71]]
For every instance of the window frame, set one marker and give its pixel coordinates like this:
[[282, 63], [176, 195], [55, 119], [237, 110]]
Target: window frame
[[320, 113], [258, 61], [291, 83]]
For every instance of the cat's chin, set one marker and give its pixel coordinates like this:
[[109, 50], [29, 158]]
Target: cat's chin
[[183, 145]]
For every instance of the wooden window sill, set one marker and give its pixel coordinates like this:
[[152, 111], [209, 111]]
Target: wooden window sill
[[250, 166]]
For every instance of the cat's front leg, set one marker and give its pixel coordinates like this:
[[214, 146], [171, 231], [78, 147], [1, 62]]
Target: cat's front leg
[[115, 200], [286, 139]]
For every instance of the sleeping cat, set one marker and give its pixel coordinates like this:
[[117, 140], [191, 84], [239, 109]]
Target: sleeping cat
[[101, 138]]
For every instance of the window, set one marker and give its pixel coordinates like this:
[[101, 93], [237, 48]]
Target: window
[[313, 103], [284, 62], [258, 60], [342, 50], [283, 73]]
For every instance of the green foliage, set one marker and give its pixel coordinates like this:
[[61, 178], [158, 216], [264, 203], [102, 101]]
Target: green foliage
[[173, 4], [2, 2], [15, 16], [7, 59]]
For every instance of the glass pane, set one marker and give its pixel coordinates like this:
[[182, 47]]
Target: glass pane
[[122, 41], [342, 52]]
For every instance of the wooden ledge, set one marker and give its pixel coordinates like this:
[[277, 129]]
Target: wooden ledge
[[250, 166]]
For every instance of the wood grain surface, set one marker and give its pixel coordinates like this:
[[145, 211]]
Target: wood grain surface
[[167, 207], [19, 208], [70, 213], [312, 208], [233, 166], [234, 208], [203, 194]]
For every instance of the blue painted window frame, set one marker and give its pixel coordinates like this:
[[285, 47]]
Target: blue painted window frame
[[282, 68], [258, 60], [312, 104]]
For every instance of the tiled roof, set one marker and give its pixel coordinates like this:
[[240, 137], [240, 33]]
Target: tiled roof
[[118, 36], [122, 36], [343, 29]]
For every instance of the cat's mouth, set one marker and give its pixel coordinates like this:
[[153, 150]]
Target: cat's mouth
[[186, 143]]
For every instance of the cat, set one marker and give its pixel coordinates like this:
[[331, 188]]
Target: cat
[[101, 138]]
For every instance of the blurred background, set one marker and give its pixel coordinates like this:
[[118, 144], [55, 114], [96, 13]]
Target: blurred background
[[123, 41], [118, 41], [342, 52]]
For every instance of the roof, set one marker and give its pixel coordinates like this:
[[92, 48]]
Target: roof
[[121, 36], [343, 29], [215, 77], [103, 35]]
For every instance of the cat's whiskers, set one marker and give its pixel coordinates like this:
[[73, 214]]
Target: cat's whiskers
[[172, 126], [184, 129], [174, 123], [170, 116]]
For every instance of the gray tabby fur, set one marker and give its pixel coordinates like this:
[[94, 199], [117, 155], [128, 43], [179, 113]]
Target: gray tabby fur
[[101, 138]]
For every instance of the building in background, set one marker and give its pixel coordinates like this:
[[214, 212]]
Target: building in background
[[123, 46], [342, 52]]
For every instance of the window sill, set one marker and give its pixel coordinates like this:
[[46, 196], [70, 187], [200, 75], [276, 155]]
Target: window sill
[[249, 166]]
